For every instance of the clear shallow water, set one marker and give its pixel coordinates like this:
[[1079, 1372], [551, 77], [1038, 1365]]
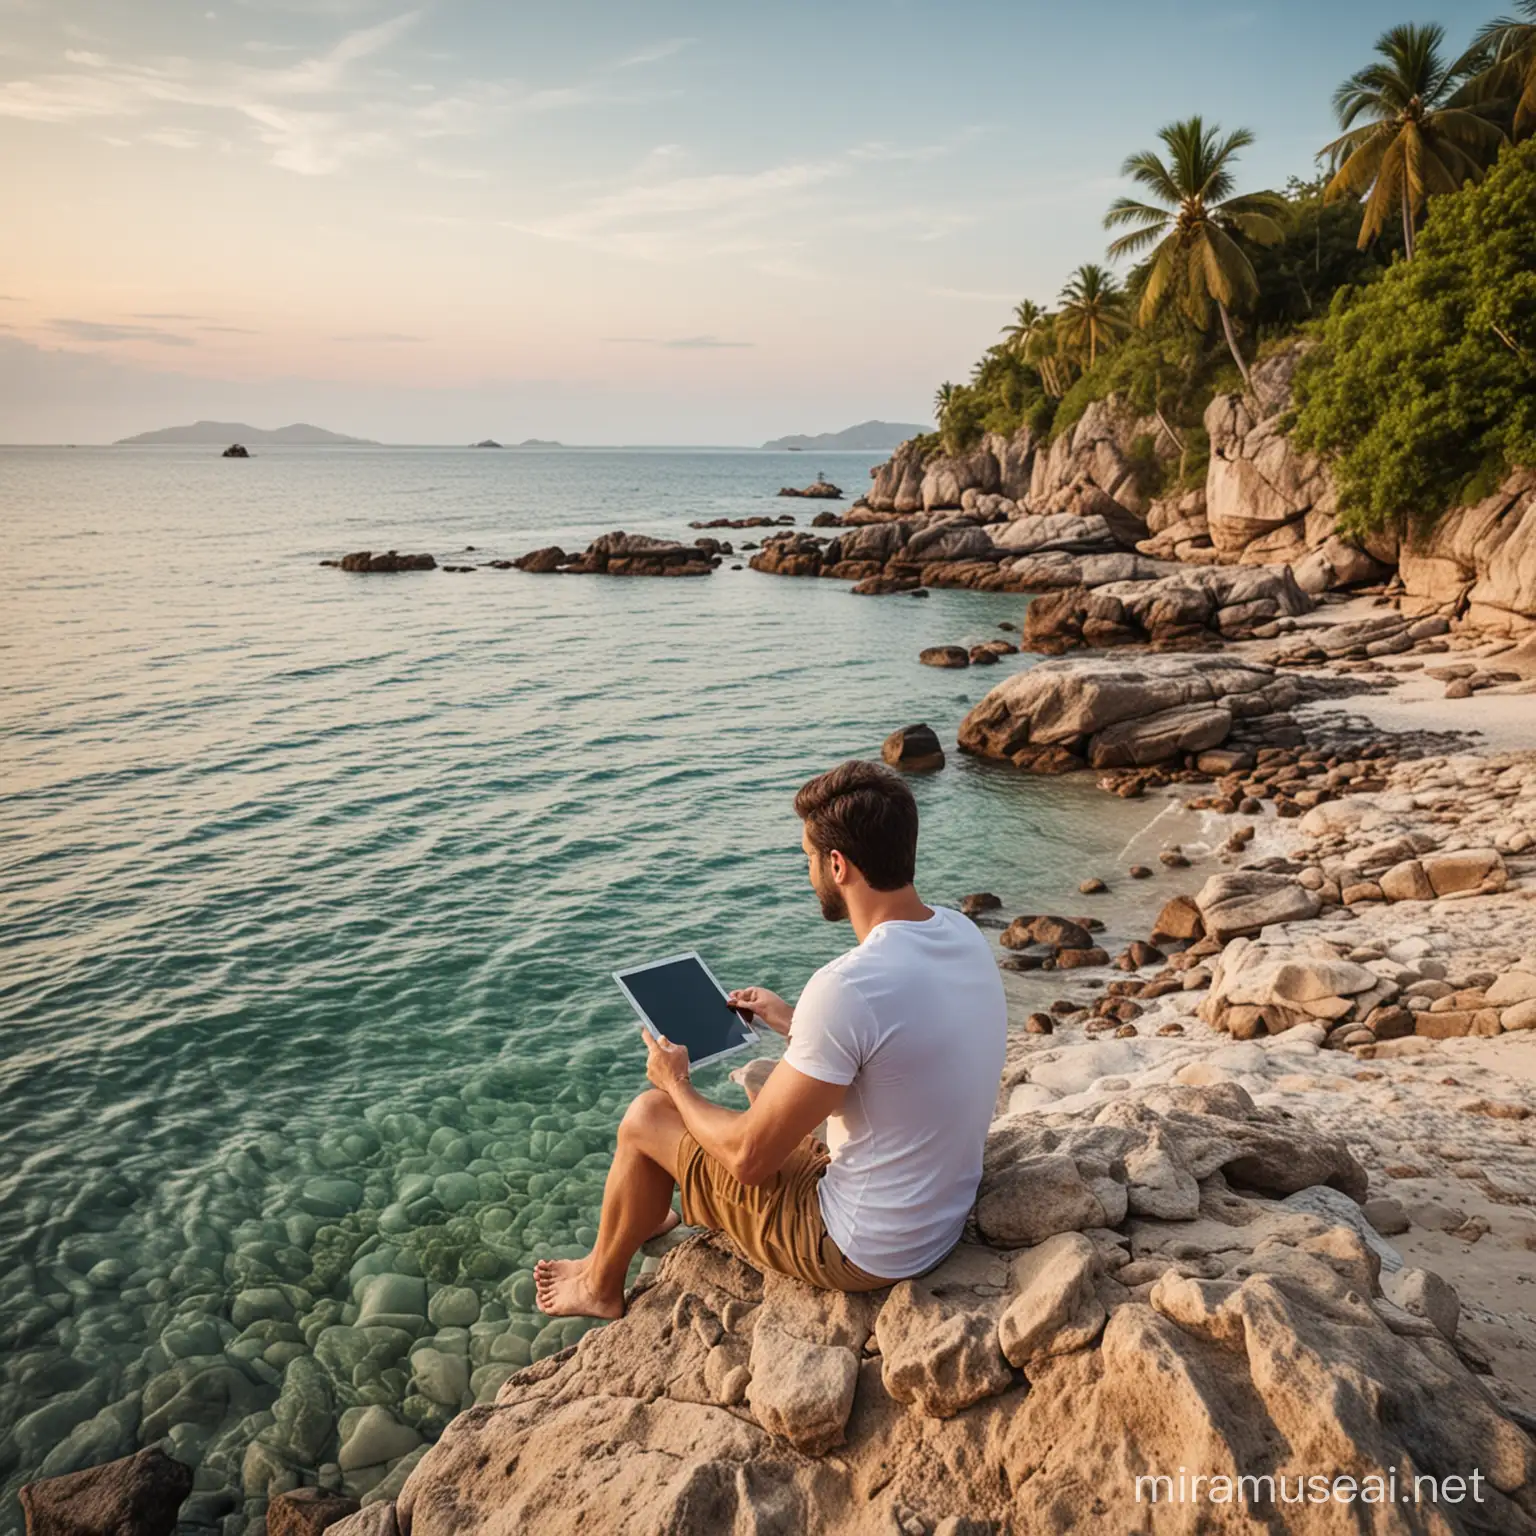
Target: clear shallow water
[[310, 888]]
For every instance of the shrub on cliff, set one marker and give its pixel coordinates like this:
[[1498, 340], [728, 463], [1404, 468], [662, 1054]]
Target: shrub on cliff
[[1424, 385]]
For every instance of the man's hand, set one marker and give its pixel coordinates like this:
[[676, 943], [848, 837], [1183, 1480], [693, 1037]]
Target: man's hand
[[765, 1005], [666, 1064]]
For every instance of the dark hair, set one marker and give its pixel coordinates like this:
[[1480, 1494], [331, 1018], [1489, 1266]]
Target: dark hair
[[868, 815]]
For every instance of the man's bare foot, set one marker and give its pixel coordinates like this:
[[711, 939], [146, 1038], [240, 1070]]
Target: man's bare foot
[[670, 1220], [563, 1290]]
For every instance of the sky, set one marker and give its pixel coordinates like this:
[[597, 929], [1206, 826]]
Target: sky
[[669, 222]]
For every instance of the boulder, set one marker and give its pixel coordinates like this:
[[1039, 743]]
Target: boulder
[[945, 656], [1053, 1307], [1112, 713], [1245, 901], [800, 1390], [368, 563], [627, 554], [1480, 559], [138, 1495], [1465, 870], [937, 1355], [914, 748], [308, 1512]]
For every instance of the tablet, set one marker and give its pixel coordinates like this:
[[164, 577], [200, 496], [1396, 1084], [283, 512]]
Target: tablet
[[680, 998]]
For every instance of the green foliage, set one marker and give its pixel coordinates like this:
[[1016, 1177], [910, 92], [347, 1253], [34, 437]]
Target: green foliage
[[1003, 393], [1170, 366], [1424, 384], [1318, 254]]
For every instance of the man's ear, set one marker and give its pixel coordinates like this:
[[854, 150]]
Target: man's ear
[[842, 870]]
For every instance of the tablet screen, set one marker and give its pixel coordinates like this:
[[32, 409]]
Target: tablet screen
[[684, 1002]]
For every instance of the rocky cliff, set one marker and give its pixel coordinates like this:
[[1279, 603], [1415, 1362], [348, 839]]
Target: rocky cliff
[[1264, 502]]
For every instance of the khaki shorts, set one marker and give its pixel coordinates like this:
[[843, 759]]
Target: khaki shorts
[[776, 1225]]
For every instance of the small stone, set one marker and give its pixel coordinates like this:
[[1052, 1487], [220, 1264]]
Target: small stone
[[1386, 1215], [1140, 872], [1093, 886], [1039, 1024]]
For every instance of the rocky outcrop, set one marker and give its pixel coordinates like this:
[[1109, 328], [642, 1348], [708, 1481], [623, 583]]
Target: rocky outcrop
[[628, 554], [1187, 606], [819, 490], [236, 451], [1106, 453], [1137, 1298], [1108, 450], [1478, 562], [1107, 713], [366, 562]]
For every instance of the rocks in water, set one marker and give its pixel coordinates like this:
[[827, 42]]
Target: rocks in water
[[790, 554], [755, 522], [308, 1512], [978, 902], [914, 749], [945, 656], [137, 1495], [626, 554], [818, 490], [367, 562], [236, 451], [1092, 711]]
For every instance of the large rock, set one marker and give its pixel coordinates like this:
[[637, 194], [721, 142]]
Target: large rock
[[800, 1390], [1115, 714], [937, 1355], [136, 1496], [627, 554], [1479, 560], [1054, 1307], [1245, 901], [1250, 1338], [1188, 604]]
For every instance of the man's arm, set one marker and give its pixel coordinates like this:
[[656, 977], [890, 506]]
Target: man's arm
[[756, 1143]]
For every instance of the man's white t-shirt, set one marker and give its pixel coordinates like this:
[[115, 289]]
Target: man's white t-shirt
[[914, 1021]]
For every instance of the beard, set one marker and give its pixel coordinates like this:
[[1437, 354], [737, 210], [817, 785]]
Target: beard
[[833, 907]]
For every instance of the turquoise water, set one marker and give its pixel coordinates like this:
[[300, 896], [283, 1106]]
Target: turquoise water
[[310, 888]]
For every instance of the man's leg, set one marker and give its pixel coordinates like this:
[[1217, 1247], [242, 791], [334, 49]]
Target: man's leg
[[637, 1201]]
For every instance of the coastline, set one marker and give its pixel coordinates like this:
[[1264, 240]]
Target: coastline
[[540, 1377]]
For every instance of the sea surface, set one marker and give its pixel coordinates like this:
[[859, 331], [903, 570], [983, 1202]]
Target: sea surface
[[311, 885]]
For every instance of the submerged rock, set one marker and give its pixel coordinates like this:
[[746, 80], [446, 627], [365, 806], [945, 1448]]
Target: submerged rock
[[136, 1496], [914, 748]]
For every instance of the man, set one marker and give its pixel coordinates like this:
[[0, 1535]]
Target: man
[[897, 1045]]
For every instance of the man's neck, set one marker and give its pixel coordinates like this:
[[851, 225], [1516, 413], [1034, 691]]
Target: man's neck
[[867, 909]]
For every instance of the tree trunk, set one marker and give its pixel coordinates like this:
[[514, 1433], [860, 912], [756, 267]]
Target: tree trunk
[[1237, 357], [1407, 225]]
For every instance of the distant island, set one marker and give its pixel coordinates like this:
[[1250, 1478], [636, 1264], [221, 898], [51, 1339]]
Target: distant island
[[215, 432], [527, 442], [868, 436]]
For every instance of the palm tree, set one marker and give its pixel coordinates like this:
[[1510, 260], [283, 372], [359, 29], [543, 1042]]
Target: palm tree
[[1028, 317], [1501, 63], [1092, 311], [941, 398], [1412, 141], [1195, 229]]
